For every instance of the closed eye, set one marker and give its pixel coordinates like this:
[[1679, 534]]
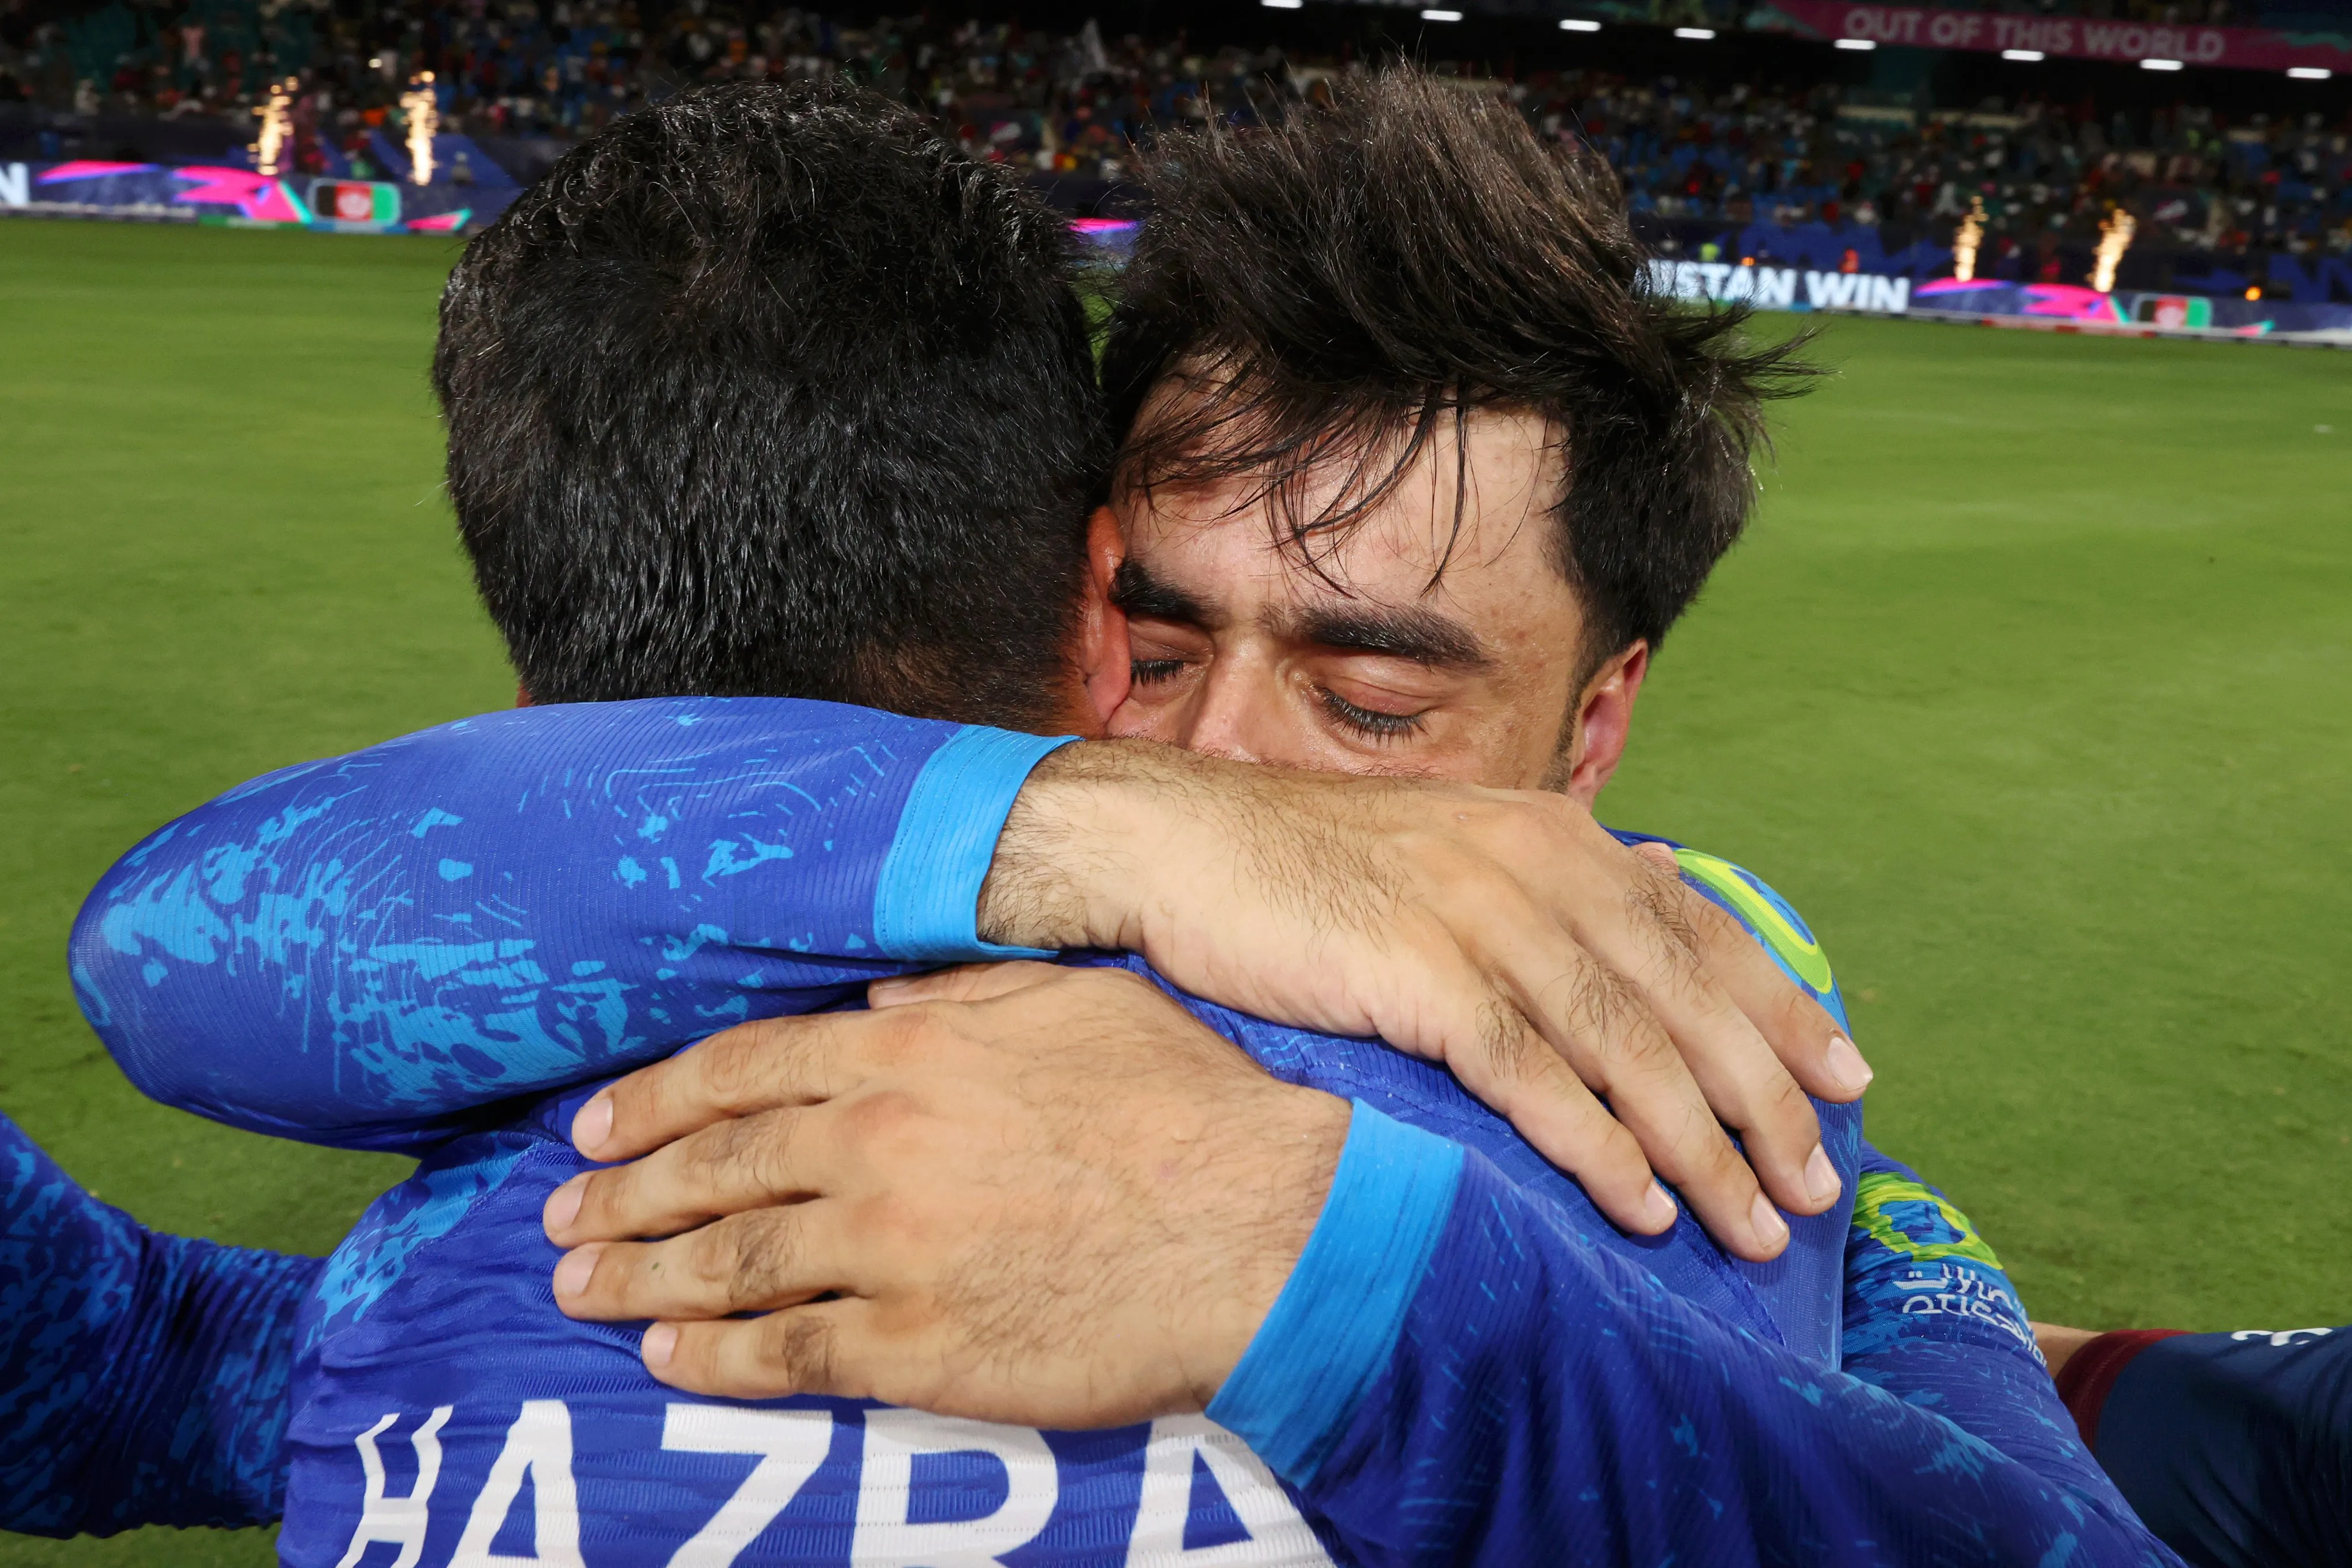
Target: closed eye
[[1373, 724]]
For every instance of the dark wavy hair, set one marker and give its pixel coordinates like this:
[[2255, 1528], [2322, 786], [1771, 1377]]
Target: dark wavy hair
[[1394, 257], [774, 391]]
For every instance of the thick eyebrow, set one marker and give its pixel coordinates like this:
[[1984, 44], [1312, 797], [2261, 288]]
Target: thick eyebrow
[[1134, 590], [1423, 636]]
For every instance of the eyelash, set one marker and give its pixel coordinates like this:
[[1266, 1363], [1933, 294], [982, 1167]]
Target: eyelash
[[1371, 723]]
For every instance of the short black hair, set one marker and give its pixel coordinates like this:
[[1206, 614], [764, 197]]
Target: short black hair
[[770, 389], [1396, 256]]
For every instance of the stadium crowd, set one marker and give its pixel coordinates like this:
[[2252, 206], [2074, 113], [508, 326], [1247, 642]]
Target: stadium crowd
[[2044, 175], [2039, 172]]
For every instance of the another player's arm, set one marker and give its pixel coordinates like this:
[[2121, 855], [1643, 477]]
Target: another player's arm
[[2235, 1448], [1505, 934], [143, 1378]]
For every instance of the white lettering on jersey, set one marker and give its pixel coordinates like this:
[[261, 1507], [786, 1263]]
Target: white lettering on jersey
[[886, 1538], [400, 1521], [791, 1444], [1279, 1536], [2281, 1338], [539, 1443]]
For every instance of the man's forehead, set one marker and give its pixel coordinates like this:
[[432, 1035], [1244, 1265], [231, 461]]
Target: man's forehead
[[1407, 552], [1365, 511]]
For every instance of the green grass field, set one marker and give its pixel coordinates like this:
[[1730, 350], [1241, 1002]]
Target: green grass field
[[2032, 688]]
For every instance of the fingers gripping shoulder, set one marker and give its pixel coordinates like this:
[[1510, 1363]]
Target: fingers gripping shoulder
[[1768, 917]]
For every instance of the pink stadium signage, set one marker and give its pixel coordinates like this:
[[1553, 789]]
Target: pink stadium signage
[[2075, 37]]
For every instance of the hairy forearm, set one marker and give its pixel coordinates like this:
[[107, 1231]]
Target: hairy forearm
[[1104, 831], [1054, 851]]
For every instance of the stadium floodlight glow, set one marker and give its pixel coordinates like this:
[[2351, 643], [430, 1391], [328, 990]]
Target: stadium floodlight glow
[[1578, 25], [2028, 55], [1702, 34], [1855, 44], [1441, 16], [2309, 73], [2160, 65]]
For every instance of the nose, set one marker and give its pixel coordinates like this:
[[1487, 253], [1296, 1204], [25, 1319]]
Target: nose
[[1234, 712]]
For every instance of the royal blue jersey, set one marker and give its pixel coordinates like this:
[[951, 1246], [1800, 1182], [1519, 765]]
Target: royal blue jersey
[[1468, 1363], [143, 1378]]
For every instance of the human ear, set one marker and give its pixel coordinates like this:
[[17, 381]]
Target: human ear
[[1105, 659], [1604, 720]]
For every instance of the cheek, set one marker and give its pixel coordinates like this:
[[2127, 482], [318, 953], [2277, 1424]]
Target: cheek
[[1466, 753], [1140, 717]]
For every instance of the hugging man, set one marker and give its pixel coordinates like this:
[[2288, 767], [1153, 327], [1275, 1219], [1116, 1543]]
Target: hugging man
[[409, 932]]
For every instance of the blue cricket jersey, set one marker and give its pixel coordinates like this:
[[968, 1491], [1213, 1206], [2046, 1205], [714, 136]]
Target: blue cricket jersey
[[396, 949], [143, 1378]]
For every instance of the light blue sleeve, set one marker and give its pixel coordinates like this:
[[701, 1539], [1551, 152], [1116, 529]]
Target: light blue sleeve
[[1334, 1326], [368, 950]]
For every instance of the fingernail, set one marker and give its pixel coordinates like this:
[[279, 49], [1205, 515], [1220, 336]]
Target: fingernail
[[564, 1205], [594, 1124], [571, 1275], [1770, 1228], [658, 1345], [1658, 1208], [1847, 1067], [1821, 1182]]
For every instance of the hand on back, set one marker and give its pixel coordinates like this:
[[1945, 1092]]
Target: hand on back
[[1026, 1193]]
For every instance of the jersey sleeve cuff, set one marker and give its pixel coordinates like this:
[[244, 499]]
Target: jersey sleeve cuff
[[1334, 1328], [927, 900]]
